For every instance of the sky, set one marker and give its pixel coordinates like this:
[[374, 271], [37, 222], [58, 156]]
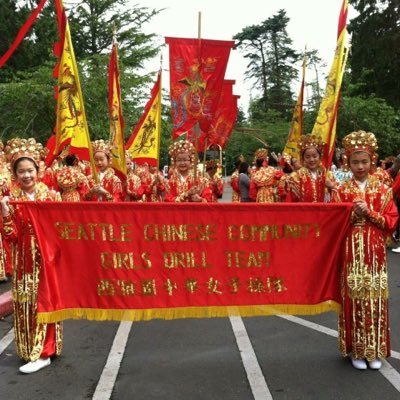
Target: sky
[[312, 23]]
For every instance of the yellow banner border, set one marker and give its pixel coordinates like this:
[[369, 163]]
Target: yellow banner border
[[187, 312]]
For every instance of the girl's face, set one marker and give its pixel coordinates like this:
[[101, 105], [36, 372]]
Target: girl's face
[[183, 162], [311, 158], [26, 174], [360, 164], [101, 161]]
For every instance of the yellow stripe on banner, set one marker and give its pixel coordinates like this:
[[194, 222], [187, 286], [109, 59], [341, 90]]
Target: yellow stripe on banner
[[187, 312]]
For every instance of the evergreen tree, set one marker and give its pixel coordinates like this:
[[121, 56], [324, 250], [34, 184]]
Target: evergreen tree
[[375, 55], [271, 59]]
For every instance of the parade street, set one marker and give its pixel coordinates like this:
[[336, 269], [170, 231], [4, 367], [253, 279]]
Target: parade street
[[280, 357]]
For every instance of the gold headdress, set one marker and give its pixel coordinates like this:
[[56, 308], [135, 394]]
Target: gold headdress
[[261, 154], [309, 141], [103, 146], [182, 146], [17, 148], [360, 141]]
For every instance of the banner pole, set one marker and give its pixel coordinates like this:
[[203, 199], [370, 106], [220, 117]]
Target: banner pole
[[197, 126]]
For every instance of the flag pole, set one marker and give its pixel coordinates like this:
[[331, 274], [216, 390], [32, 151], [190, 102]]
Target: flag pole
[[197, 126], [159, 114]]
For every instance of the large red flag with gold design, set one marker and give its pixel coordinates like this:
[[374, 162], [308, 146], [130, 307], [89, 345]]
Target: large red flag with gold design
[[144, 144], [325, 124], [116, 119], [71, 126], [197, 70]]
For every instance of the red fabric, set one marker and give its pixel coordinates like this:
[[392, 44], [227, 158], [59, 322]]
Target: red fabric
[[342, 17], [197, 69], [223, 121], [291, 268], [21, 34]]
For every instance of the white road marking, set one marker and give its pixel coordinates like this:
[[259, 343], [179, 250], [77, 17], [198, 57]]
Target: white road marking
[[255, 376], [6, 340], [110, 372], [386, 370]]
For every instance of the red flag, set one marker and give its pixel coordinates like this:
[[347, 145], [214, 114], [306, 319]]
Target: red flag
[[197, 69], [223, 121]]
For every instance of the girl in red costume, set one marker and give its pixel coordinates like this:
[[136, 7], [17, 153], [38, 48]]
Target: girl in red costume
[[363, 321], [312, 182], [36, 342], [184, 185], [109, 187]]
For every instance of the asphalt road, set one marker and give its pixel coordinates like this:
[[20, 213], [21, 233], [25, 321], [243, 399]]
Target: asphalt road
[[205, 359]]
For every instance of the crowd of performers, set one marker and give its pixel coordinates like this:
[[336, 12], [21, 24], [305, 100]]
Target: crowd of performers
[[363, 321]]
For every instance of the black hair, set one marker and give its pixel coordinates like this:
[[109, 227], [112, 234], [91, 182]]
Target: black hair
[[237, 163], [243, 167], [70, 159]]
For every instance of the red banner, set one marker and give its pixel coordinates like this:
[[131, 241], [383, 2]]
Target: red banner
[[127, 261], [223, 121], [197, 70]]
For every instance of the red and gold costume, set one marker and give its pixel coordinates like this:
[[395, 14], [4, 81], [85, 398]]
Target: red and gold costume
[[384, 176], [363, 321], [178, 186], [109, 181], [235, 186], [72, 183], [305, 185], [152, 186], [264, 180], [133, 183], [33, 340], [215, 182], [5, 253], [302, 186]]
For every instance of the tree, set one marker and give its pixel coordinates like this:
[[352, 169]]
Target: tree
[[27, 95], [271, 58], [36, 49], [375, 52], [373, 115]]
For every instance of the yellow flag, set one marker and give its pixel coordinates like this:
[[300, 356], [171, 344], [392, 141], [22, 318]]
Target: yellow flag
[[71, 126], [325, 124], [116, 120], [296, 127], [144, 143]]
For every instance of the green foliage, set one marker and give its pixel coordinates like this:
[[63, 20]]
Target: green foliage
[[375, 51], [373, 115], [28, 105]]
